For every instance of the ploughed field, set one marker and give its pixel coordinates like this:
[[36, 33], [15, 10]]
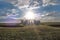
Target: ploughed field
[[30, 32]]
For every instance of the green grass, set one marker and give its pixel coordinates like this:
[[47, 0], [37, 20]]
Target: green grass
[[51, 23], [33, 32]]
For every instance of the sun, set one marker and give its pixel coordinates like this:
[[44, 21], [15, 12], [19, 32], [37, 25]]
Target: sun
[[29, 15]]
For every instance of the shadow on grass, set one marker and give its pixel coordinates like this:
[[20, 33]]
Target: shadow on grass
[[54, 25], [11, 25]]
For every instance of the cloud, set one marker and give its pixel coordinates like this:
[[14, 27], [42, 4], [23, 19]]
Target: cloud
[[29, 3], [35, 3], [11, 1], [51, 8], [50, 17], [47, 19], [9, 11], [45, 7], [25, 3], [51, 2]]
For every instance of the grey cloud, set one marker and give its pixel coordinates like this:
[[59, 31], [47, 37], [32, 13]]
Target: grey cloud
[[35, 2], [51, 17], [19, 2], [25, 3], [51, 2], [11, 1]]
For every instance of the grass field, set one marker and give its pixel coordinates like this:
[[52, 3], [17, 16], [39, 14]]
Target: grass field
[[32, 32], [51, 23]]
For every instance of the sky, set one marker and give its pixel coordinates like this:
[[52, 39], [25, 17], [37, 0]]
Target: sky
[[49, 10]]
